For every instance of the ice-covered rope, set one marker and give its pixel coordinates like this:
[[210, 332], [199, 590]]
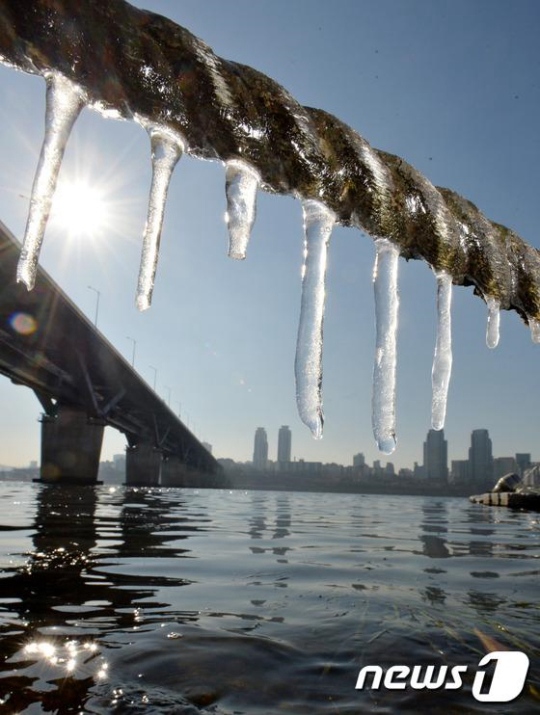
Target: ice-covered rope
[[132, 64], [138, 65]]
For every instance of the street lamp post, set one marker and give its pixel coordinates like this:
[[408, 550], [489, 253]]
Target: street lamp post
[[155, 375], [134, 346], [98, 295]]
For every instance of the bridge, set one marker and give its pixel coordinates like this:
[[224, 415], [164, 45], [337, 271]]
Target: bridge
[[83, 385]]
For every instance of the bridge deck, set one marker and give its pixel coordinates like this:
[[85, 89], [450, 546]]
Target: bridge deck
[[66, 360]]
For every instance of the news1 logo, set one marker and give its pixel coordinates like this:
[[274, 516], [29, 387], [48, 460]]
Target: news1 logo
[[500, 677], [511, 668]]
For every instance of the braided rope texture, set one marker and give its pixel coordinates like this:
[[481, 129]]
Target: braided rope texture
[[139, 65]]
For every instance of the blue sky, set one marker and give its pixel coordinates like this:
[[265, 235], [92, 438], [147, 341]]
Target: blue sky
[[451, 86]]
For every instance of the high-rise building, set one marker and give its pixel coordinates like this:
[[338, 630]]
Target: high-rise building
[[284, 445], [436, 455], [260, 449], [480, 456], [360, 468], [460, 470], [523, 460]]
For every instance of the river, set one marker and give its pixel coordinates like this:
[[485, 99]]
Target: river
[[123, 600]]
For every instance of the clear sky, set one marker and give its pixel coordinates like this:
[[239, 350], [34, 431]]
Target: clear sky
[[453, 86]]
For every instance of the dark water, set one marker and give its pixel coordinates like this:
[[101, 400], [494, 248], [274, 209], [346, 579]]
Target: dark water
[[181, 601]]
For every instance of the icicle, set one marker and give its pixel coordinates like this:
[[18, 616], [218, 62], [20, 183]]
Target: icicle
[[63, 105], [241, 184], [385, 280], [167, 148], [534, 326], [318, 224], [493, 322], [442, 359]]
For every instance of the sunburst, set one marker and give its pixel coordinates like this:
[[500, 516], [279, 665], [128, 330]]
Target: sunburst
[[80, 209]]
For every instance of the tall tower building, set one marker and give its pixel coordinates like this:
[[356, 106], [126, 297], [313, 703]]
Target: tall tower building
[[260, 449], [284, 445], [436, 455], [359, 460], [480, 456]]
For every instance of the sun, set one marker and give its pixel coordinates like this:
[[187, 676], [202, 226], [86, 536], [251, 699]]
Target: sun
[[80, 209]]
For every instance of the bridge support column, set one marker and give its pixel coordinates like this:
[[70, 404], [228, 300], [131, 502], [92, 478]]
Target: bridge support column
[[174, 472], [70, 447], [143, 465]]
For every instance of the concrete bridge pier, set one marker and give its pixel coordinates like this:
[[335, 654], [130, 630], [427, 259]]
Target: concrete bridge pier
[[174, 472], [143, 465], [70, 447]]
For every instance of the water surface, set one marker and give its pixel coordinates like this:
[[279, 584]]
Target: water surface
[[121, 600]]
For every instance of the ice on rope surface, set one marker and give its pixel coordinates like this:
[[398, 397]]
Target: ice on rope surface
[[442, 359], [241, 184], [493, 322], [318, 224], [385, 283], [64, 103], [167, 148]]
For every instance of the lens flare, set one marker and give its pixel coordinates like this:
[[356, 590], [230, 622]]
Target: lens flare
[[23, 323]]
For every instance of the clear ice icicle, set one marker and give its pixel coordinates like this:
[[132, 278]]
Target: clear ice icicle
[[493, 322], [442, 359], [167, 148], [385, 283], [534, 326], [63, 105], [318, 224], [241, 184]]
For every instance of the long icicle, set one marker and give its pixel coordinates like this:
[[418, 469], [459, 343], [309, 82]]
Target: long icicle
[[318, 224], [385, 283], [167, 148], [442, 358], [493, 322], [64, 103], [241, 184]]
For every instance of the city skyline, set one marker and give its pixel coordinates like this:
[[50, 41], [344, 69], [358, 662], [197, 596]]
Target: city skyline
[[436, 463], [449, 87], [481, 466]]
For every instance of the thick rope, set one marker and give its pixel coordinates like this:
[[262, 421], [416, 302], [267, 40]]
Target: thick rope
[[139, 65]]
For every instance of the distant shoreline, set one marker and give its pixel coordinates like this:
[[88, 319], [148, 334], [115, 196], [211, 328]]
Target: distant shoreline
[[293, 483], [381, 485]]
